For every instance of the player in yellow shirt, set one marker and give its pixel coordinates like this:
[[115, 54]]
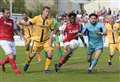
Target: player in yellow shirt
[[117, 26], [41, 38], [113, 31], [26, 31]]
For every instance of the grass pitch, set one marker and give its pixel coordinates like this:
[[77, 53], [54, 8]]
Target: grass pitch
[[75, 70]]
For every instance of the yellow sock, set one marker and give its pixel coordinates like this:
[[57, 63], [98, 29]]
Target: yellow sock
[[39, 57], [27, 57], [28, 60], [47, 63]]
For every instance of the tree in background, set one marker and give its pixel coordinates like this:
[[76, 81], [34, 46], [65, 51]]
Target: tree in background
[[36, 6], [18, 5], [4, 4]]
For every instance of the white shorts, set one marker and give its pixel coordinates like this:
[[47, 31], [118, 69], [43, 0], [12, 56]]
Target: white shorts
[[8, 47], [72, 44]]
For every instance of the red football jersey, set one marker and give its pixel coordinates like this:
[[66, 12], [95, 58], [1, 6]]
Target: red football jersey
[[6, 29], [71, 31]]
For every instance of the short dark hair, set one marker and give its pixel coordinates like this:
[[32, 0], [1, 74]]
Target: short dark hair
[[4, 9], [28, 13], [25, 12], [93, 14], [72, 14], [46, 7]]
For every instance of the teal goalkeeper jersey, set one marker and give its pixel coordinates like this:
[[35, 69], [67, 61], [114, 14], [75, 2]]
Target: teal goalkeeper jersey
[[94, 40]]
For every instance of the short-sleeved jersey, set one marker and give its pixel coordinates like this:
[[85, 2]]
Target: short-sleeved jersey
[[6, 29], [113, 32], [94, 40], [71, 31], [41, 28]]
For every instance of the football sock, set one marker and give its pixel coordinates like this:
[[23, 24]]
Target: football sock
[[30, 59], [47, 63], [64, 59], [13, 64], [94, 62]]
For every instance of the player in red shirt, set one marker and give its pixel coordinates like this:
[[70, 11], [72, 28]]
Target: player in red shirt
[[70, 40], [7, 41]]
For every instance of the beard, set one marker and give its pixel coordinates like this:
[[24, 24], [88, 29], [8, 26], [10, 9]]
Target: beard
[[93, 23]]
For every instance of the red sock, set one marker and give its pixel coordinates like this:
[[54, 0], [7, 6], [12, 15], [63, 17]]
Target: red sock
[[14, 66], [61, 61], [13, 63]]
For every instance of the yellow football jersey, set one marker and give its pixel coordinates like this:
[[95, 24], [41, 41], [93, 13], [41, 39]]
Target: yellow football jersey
[[117, 25], [113, 32], [41, 28], [26, 29]]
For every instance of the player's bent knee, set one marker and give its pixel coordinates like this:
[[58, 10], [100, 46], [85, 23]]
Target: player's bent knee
[[111, 53]]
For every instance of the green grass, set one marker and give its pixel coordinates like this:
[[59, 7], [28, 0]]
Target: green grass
[[75, 70]]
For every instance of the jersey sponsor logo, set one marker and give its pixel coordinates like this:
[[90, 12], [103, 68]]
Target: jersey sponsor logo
[[73, 31]]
